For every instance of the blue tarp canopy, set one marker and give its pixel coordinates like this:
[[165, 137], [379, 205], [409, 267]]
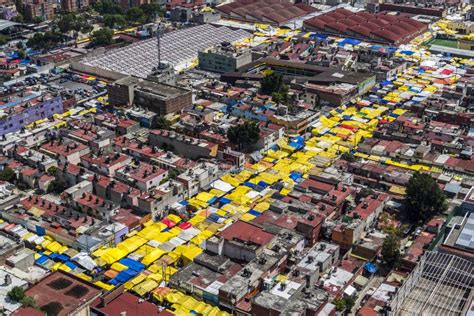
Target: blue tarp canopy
[[125, 275], [262, 184], [254, 213], [249, 184], [214, 217], [295, 176], [114, 282], [224, 201], [370, 267], [318, 36], [132, 264], [71, 265], [297, 142], [184, 202], [212, 200], [349, 41], [41, 260], [407, 52], [385, 82], [63, 258]]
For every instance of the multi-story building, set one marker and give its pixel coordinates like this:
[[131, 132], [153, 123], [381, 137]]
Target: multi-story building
[[39, 9], [157, 97], [20, 109], [74, 5], [224, 58]]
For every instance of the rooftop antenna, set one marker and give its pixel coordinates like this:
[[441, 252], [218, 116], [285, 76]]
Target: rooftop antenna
[[158, 45]]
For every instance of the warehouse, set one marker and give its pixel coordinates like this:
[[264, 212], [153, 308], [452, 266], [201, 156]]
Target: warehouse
[[178, 48], [275, 12], [379, 28]]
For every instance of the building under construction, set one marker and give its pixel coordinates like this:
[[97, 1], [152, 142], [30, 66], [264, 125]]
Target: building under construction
[[441, 284]]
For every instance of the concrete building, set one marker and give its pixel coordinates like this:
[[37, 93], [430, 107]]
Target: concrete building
[[9, 281], [24, 109], [74, 5], [157, 97], [61, 293], [191, 148], [224, 58], [43, 9]]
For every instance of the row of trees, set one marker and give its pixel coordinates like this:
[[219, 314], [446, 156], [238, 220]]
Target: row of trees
[[115, 17]]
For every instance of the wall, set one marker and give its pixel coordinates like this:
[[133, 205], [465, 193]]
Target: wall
[[14, 122]]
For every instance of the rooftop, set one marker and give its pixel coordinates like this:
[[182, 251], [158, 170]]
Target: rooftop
[[61, 293], [177, 47]]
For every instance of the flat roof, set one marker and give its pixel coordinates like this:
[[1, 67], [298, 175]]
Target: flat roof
[[161, 89], [61, 293], [177, 47]]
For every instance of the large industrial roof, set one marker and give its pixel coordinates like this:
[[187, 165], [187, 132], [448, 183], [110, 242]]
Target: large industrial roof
[[177, 47], [4, 24], [394, 29], [268, 11]]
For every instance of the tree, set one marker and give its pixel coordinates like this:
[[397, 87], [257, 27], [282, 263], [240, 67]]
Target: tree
[[44, 41], [340, 304], [136, 15], [29, 301], [151, 11], [245, 134], [107, 7], [3, 39], [72, 22], [8, 174], [115, 21], [16, 294], [18, 18], [423, 197], [57, 186], [22, 54], [52, 171], [391, 250], [161, 122], [348, 157], [102, 37], [272, 84]]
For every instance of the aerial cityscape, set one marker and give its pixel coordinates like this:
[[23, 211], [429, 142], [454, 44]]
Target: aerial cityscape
[[237, 157]]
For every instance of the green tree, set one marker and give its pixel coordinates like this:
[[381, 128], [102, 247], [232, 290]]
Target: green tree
[[151, 11], [56, 186], [107, 7], [115, 21], [272, 84], [102, 37], [391, 250], [4, 39], [8, 174], [16, 294], [28, 301], [344, 304], [18, 18], [245, 134], [22, 54], [423, 197], [72, 22], [52, 171], [340, 304], [161, 122], [44, 41], [136, 15], [348, 157]]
